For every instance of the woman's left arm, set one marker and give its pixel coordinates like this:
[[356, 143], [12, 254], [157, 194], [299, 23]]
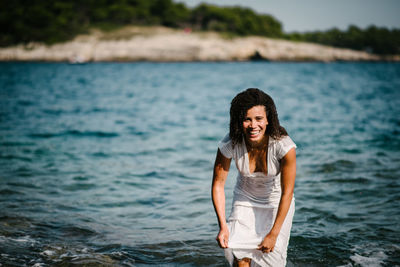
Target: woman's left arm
[[288, 176]]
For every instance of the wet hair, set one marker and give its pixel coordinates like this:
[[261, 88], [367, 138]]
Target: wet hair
[[244, 101]]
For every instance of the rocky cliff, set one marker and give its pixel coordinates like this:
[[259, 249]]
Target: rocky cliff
[[168, 45]]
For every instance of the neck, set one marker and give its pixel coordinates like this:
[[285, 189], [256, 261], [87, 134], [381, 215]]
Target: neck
[[259, 145]]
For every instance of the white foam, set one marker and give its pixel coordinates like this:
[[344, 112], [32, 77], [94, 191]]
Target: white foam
[[117, 253], [375, 259], [48, 252], [22, 239], [64, 255]]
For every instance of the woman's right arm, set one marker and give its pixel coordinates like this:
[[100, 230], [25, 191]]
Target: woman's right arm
[[221, 169]]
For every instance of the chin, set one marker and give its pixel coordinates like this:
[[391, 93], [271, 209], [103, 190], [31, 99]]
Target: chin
[[255, 140]]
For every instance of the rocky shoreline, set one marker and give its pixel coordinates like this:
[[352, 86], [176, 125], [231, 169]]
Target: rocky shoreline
[[161, 44]]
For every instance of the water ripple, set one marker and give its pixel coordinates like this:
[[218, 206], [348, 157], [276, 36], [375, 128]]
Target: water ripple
[[75, 133], [110, 164]]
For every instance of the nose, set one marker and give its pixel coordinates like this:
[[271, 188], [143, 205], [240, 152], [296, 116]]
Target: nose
[[253, 123]]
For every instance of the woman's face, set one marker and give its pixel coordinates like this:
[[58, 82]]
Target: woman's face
[[254, 124]]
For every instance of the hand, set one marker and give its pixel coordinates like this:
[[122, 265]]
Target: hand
[[223, 237], [268, 244]]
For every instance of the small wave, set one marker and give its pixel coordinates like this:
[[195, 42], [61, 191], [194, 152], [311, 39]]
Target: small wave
[[139, 185], [388, 141], [162, 175], [101, 155], [21, 239], [24, 185], [91, 134], [375, 259], [75, 133], [166, 149], [75, 256], [4, 192], [16, 144], [210, 138], [25, 103], [352, 150], [55, 112], [196, 163], [98, 110], [147, 174], [348, 180], [361, 192], [134, 131], [181, 252], [44, 135], [79, 187], [339, 165], [200, 200], [330, 250], [69, 208], [119, 122], [152, 201], [78, 231], [81, 178], [119, 204], [12, 157], [15, 222]]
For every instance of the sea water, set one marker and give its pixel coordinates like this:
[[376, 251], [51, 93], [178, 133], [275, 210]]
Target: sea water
[[110, 164]]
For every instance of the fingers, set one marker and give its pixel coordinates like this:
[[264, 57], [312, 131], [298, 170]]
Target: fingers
[[226, 242], [222, 241], [223, 238], [265, 249]]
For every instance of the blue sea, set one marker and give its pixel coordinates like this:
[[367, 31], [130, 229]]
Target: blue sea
[[110, 164]]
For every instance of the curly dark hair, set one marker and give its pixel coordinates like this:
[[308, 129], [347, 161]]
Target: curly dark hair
[[242, 103]]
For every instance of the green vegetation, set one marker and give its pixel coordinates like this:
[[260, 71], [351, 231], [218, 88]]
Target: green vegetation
[[61, 20], [373, 39], [237, 20]]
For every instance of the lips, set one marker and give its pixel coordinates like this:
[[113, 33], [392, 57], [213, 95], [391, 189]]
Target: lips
[[254, 133]]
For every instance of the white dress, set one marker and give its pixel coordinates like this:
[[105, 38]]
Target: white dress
[[255, 203]]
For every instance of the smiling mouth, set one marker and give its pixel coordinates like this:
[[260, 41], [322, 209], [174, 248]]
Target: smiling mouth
[[254, 133]]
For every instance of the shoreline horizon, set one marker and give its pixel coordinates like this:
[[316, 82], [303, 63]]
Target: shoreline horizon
[[161, 44]]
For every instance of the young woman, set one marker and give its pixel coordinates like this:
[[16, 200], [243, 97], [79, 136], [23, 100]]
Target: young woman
[[258, 229]]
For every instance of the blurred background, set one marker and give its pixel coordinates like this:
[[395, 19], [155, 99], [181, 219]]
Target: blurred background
[[370, 26], [110, 164]]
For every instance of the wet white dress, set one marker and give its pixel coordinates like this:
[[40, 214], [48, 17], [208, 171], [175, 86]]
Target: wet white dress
[[255, 203]]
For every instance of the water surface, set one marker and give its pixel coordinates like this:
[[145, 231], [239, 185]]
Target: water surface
[[111, 164]]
